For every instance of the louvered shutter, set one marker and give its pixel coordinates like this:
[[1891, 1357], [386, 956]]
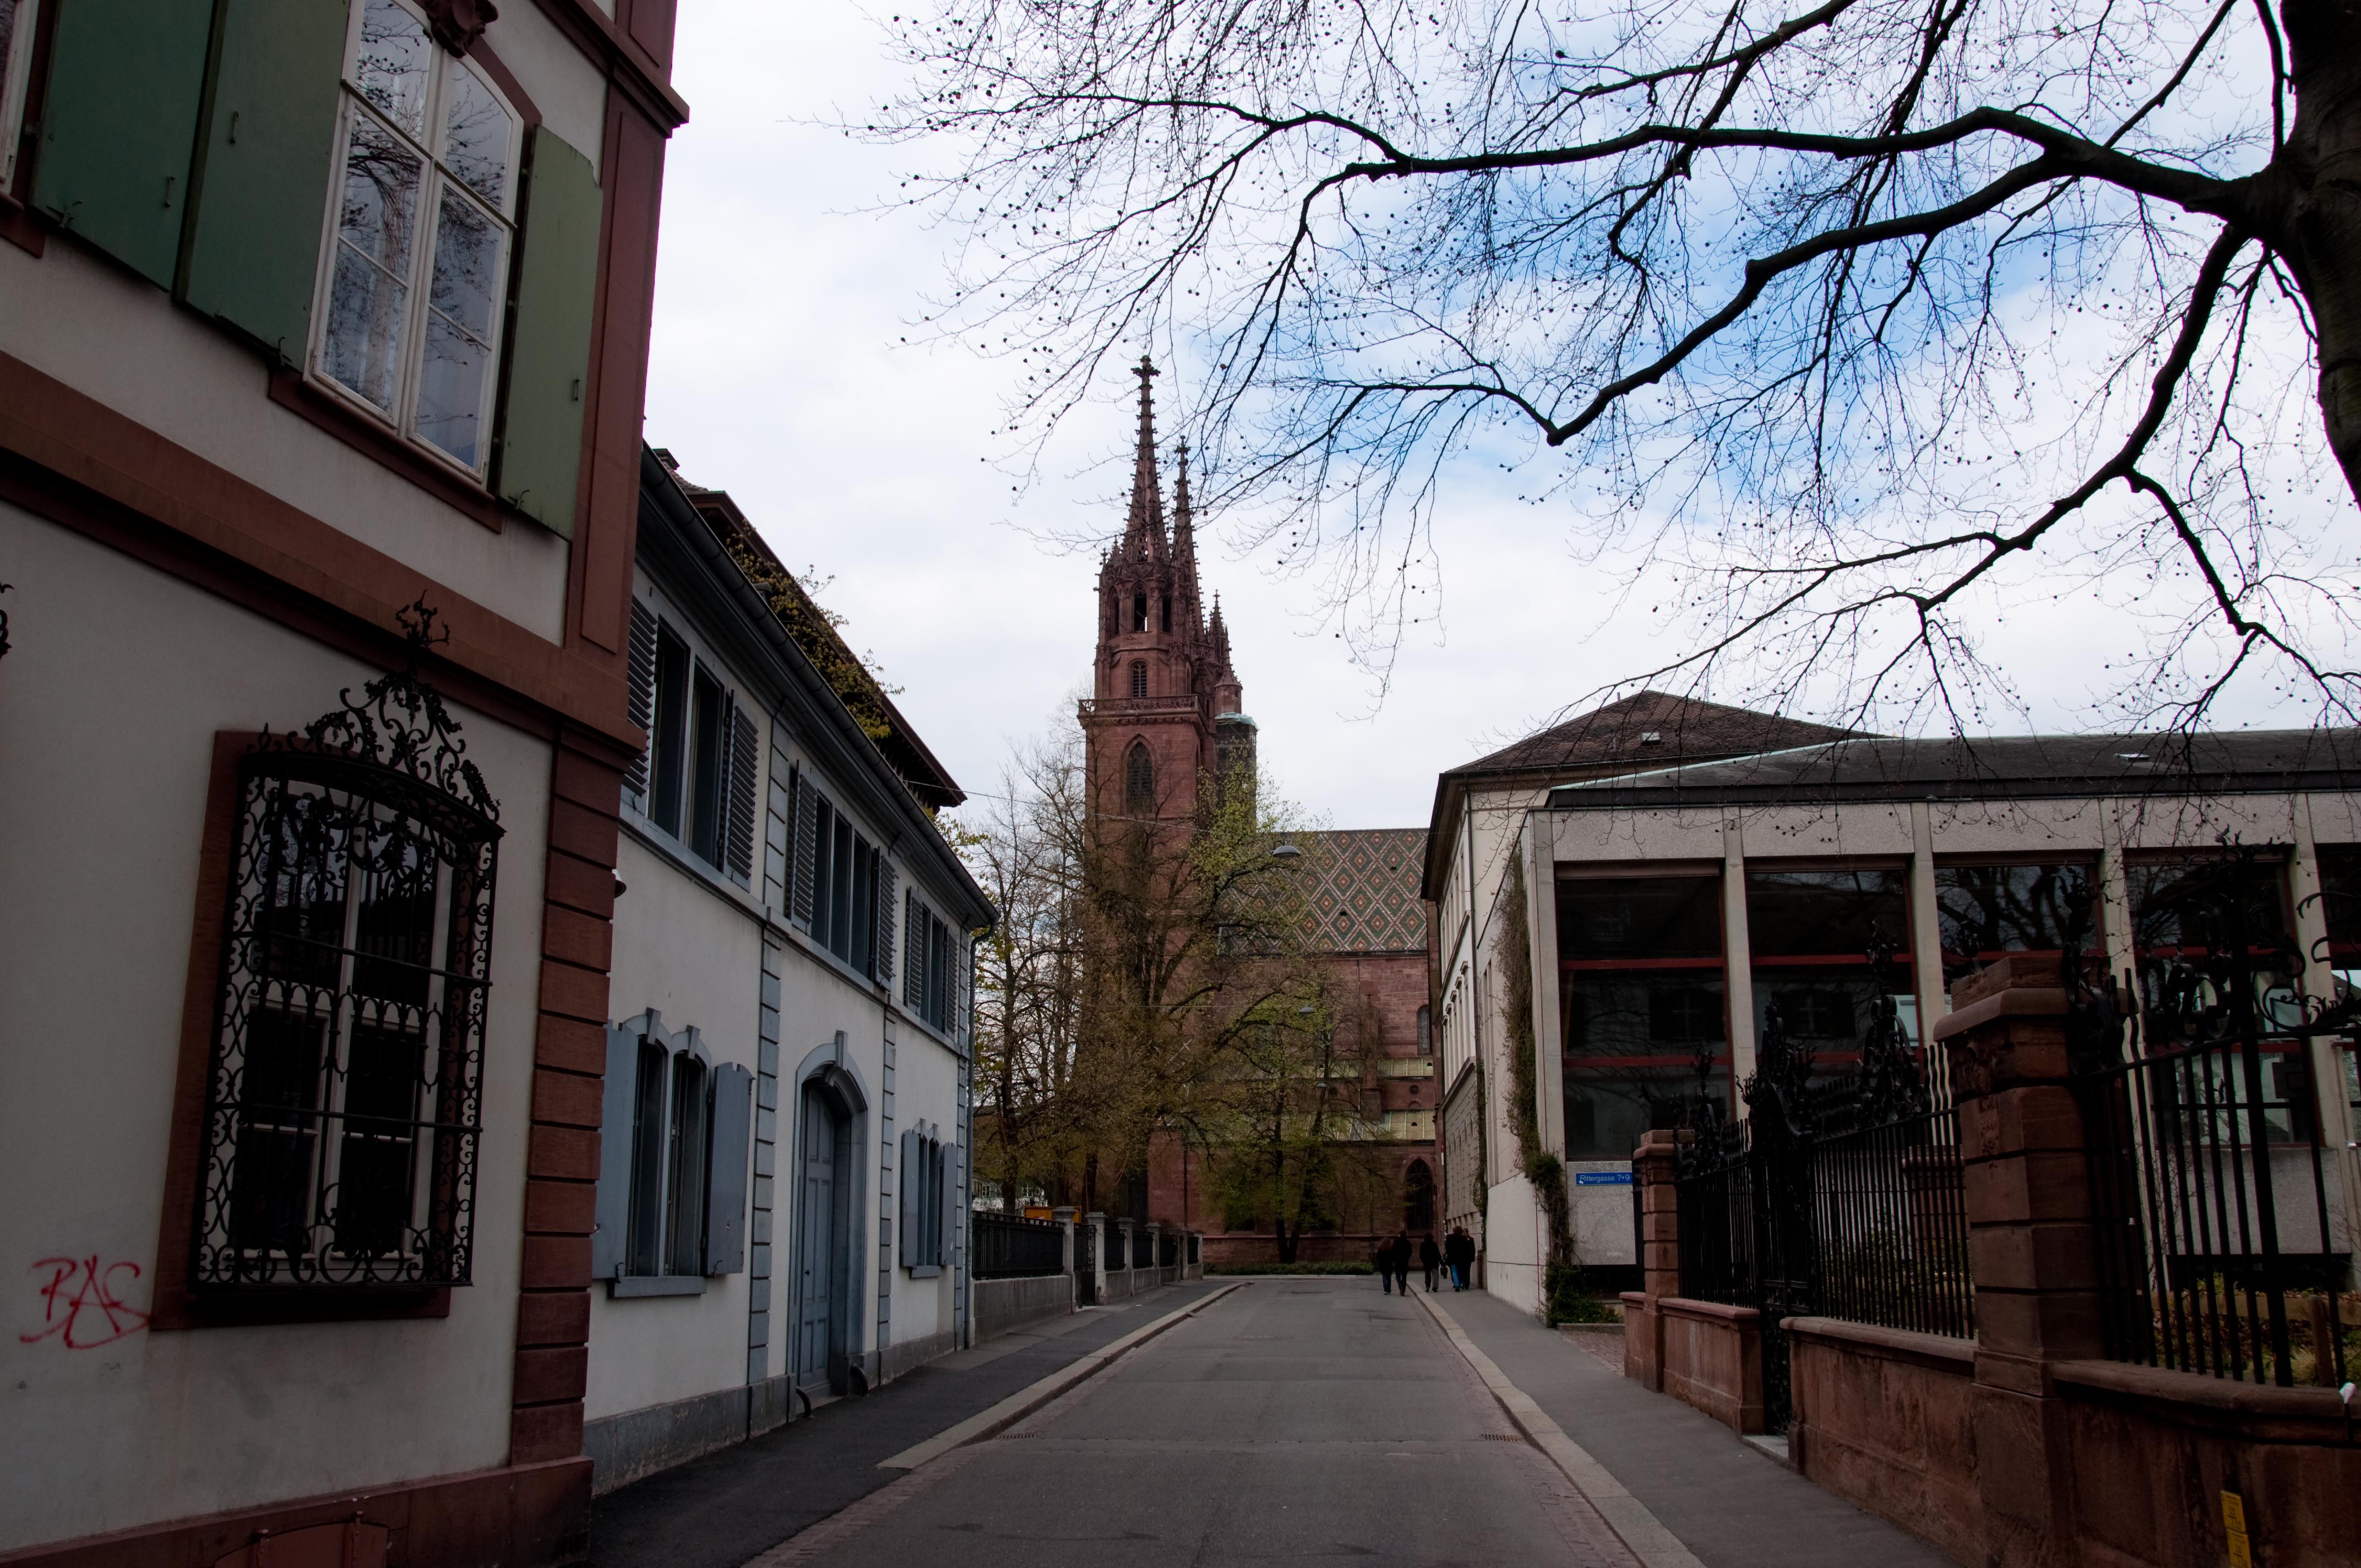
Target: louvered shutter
[[888, 882], [731, 1146], [914, 955], [947, 1230], [540, 442], [613, 1217], [807, 849], [639, 674], [913, 1180], [745, 778]]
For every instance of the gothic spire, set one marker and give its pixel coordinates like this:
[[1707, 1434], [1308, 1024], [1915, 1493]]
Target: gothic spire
[[1220, 633], [1143, 533], [1184, 545]]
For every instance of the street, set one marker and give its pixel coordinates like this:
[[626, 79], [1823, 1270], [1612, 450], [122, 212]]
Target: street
[[1299, 1417]]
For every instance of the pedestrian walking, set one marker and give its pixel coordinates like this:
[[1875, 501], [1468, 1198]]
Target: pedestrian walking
[[1383, 1257], [1430, 1258], [1402, 1250], [1459, 1251]]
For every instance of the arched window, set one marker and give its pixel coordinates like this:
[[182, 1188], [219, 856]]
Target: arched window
[[1139, 677], [1139, 612], [1140, 781], [1417, 1198]]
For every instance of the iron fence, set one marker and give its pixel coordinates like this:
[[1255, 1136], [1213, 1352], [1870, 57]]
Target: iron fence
[[1009, 1246], [1116, 1260], [2216, 1253]]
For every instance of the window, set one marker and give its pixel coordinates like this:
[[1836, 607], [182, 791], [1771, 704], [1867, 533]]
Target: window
[[423, 204], [928, 1202], [933, 966], [1639, 982], [1813, 934], [1987, 912], [1140, 781], [1139, 677], [19, 19], [1139, 612], [343, 1081], [1425, 1030], [1164, 611], [697, 778], [851, 889], [673, 1184]]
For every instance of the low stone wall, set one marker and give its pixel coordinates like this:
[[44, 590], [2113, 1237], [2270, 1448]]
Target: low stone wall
[[1712, 1358], [1001, 1306], [1886, 1420], [1644, 1340], [2153, 1452]]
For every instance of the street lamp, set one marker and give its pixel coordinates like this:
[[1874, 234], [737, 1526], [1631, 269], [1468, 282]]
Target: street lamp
[[1285, 853]]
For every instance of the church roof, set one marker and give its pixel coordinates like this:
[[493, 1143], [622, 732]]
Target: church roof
[[1367, 899]]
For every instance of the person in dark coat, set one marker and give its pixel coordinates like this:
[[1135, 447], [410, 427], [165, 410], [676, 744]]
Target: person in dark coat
[[1383, 1257], [1459, 1251], [1399, 1250], [1430, 1258]]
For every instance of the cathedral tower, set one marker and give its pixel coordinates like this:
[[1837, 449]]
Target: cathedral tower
[[1162, 682]]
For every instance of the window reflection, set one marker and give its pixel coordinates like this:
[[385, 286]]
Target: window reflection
[[1642, 1006]]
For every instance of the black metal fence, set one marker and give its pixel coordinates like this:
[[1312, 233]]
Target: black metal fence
[[1841, 1196], [1117, 1261], [1009, 1246], [2209, 1185]]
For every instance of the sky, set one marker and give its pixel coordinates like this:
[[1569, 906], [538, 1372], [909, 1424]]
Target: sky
[[788, 368]]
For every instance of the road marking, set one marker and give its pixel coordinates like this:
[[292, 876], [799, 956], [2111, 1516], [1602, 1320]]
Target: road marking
[[1626, 1515], [1031, 1398]]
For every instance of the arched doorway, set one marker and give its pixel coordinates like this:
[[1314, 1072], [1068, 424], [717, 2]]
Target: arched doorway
[[1417, 1198], [830, 1113]]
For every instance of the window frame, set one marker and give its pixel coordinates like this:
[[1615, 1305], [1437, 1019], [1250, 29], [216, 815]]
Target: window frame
[[436, 177], [671, 1197], [682, 757]]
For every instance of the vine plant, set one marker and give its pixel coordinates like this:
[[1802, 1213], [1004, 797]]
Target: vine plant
[[1562, 1297]]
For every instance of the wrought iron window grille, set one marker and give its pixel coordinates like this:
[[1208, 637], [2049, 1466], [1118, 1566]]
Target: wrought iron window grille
[[344, 1085]]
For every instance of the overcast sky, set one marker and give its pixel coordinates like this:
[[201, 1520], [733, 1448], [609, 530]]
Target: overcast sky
[[780, 373]]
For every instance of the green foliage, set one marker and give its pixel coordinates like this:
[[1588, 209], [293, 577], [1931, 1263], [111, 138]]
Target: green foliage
[[1568, 1300], [1361, 1269], [1543, 1168]]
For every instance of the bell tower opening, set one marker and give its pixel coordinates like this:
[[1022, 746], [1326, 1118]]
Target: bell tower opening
[[1139, 677], [1139, 612]]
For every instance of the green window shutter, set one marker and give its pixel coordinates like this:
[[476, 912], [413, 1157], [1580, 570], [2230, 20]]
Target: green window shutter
[[262, 174], [119, 124], [549, 354]]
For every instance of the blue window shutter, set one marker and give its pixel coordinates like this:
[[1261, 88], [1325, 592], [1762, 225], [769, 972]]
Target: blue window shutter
[[726, 1183], [270, 137], [640, 680], [549, 354], [807, 849], [908, 1174], [946, 1232], [888, 882], [613, 1221], [745, 779], [119, 126], [914, 955]]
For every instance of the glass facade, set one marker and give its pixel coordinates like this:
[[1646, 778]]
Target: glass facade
[[1642, 1006], [1986, 913], [1817, 938]]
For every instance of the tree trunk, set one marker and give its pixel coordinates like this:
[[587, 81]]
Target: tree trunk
[[2312, 197]]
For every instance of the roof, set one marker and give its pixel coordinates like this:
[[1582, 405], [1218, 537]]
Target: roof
[[860, 692], [2016, 767], [1650, 729], [1367, 897], [1647, 730]]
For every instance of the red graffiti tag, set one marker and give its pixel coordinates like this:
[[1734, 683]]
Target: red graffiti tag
[[77, 1287]]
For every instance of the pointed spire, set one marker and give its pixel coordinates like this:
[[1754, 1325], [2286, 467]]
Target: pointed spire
[[1184, 546], [1221, 636], [1143, 533]]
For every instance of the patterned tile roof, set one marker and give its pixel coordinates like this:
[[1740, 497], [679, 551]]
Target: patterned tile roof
[[1366, 900]]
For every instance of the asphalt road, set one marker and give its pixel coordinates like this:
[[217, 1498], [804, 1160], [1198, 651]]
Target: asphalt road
[[1296, 1418]]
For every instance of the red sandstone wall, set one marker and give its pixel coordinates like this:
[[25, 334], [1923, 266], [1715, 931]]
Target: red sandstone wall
[[1887, 1419]]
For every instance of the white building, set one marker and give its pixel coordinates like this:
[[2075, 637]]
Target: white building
[[784, 1141]]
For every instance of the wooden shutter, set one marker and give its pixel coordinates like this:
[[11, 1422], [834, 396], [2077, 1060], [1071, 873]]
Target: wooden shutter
[[914, 955], [913, 1180], [618, 1099], [263, 160], [745, 778], [729, 1150], [640, 675], [807, 849], [540, 443], [119, 126], [888, 881], [950, 1215]]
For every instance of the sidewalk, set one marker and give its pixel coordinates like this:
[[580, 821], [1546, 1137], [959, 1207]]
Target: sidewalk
[[721, 1510], [1731, 1505]]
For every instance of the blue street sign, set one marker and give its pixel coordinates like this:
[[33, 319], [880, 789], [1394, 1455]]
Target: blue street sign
[[1602, 1179]]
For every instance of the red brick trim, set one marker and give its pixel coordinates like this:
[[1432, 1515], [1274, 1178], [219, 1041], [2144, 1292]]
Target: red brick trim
[[569, 1067], [173, 1306], [520, 1516]]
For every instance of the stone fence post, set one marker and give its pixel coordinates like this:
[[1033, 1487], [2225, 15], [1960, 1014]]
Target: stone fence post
[[1095, 1223], [1065, 1216], [1660, 1255], [2027, 1191]]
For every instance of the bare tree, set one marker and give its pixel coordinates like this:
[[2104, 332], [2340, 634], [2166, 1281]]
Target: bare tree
[[1857, 322]]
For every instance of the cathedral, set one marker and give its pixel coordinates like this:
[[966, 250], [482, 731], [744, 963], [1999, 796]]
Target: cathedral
[[1165, 710]]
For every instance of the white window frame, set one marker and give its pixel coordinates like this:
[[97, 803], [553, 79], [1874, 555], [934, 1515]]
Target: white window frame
[[664, 1171], [16, 85], [436, 180]]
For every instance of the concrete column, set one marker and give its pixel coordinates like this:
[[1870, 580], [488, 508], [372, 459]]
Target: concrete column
[[2030, 1237], [1737, 951], [1096, 1224], [2318, 980], [1065, 1215], [1925, 930]]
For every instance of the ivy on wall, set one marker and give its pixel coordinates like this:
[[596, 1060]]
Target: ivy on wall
[[1563, 1300]]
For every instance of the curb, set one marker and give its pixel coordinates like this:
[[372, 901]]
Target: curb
[[1631, 1520], [1032, 1397]]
